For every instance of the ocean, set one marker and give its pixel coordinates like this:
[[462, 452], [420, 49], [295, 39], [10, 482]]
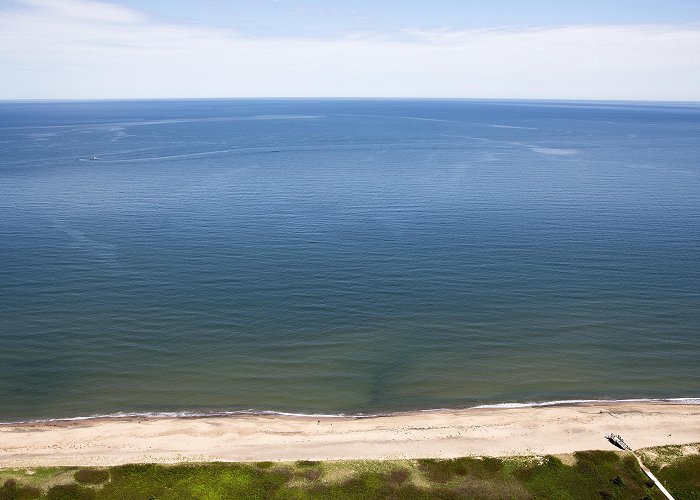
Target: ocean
[[345, 256]]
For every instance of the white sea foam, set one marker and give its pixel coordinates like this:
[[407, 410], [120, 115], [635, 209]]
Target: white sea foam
[[251, 412], [493, 125], [552, 151], [462, 122], [187, 414], [582, 401]]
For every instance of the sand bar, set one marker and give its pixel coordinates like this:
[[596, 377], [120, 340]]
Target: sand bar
[[444, 433]]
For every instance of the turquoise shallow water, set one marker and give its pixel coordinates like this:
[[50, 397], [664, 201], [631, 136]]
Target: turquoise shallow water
[[345, 256]]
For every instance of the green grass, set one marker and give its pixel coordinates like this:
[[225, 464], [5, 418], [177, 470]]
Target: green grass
[[13, 489], [92, 476], [682, 478], [592, 475]]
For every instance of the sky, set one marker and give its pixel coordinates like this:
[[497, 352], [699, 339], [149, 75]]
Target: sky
[[537, 49]]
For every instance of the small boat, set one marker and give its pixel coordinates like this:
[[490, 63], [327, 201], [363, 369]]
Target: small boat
[[92, 157]]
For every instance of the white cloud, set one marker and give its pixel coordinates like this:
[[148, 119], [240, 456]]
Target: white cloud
[[87, 49], [87, 10]]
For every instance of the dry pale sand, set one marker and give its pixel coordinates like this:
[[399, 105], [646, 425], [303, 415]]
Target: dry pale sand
[[445, 433]]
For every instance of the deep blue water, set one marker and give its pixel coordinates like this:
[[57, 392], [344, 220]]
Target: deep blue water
[[345, 256]]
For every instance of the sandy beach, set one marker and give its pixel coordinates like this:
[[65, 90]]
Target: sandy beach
[[443, 433]]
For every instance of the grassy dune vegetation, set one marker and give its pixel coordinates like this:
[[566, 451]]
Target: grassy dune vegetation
[[585, 475]]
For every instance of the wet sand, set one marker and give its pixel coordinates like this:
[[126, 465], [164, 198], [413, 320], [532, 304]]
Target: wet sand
[[441, 433]]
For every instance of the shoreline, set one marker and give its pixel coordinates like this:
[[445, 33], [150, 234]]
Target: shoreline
[[185, 414], [479, 431]]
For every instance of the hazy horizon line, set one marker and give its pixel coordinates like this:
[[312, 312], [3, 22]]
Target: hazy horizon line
[[344, 98]]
